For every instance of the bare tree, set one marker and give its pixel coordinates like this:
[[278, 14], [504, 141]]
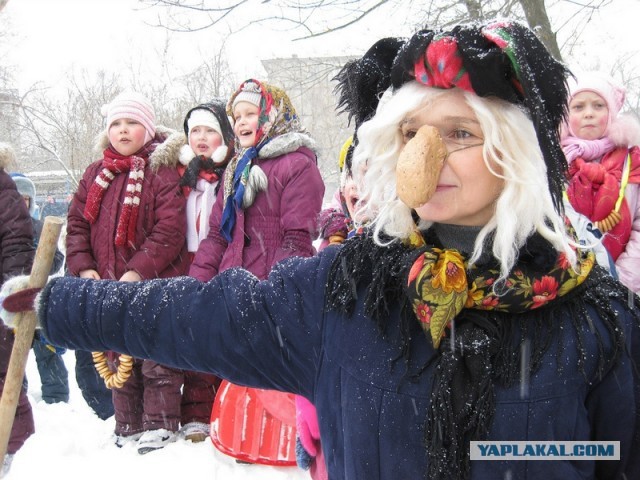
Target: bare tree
[[58, 126], [63, 127], [313, 18], [213, 78]]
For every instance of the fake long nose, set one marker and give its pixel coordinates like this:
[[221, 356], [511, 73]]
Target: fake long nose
[[419, 166]]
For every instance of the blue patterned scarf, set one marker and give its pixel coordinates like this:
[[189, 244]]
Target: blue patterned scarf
[[233, 202]]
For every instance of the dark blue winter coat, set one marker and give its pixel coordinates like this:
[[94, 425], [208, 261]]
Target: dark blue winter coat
[[277, 334]]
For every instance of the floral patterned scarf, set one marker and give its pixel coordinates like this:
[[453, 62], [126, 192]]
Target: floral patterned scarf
[[441, 284], [434, 286]]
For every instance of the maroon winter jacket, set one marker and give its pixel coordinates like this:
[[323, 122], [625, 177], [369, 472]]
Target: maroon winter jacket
[[16, 231], [16, 254], [160, 248], [281, 222]]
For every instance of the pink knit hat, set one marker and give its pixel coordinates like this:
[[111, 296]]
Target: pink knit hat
[[605, 86], [131, 105]]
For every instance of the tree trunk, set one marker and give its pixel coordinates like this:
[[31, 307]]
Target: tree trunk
[[538, 20], [474, 8], [3, 3]]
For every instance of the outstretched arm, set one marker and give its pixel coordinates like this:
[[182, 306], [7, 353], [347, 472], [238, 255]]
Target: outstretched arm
[[265, 334]]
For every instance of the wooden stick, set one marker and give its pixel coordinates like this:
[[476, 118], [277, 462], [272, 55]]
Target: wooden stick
[[24, 333]]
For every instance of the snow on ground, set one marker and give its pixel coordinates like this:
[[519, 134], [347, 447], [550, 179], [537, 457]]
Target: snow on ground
[[72, 443]]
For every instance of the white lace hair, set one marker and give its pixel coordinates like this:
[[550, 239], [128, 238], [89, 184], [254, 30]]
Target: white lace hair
[[524, 206]]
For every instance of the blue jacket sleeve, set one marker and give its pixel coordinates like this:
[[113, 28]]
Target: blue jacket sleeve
[[265, 334]]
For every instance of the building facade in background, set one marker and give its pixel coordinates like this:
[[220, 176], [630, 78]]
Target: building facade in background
[[310, 85]]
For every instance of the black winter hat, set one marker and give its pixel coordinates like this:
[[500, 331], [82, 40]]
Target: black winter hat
[[218, 108], [213, 114], [501, 59], [361, 82]]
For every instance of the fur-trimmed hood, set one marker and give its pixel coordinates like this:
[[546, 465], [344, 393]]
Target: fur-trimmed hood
[[7, 156], [287, 143], [625, 131], [166, 153], [283, 144]]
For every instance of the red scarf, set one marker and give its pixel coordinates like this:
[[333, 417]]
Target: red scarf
[[112, 165], [594, 188], [210, 177]]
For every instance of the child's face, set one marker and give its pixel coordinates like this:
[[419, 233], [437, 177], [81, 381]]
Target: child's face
[[126, 136], [588, 115], [350, 193], [246, 123], [204, 140], [466, 191]]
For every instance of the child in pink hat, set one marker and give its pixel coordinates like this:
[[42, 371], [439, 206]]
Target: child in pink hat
[[126, 222], [604, 168]]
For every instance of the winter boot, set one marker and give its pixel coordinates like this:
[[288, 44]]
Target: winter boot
[[195, 431], [155, 439], [122, 440], [6, 464]]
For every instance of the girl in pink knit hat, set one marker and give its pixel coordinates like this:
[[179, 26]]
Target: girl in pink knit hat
[[126, 222], [604, 169]]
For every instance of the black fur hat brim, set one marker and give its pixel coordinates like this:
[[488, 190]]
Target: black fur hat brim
[[361, 82]]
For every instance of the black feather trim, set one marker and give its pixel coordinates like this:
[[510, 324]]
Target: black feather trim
[[489, 348], [361, 82]]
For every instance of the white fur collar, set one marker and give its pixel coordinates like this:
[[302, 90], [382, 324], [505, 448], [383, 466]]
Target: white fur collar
[[287, 143]]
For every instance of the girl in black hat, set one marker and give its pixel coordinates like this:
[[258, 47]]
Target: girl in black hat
[[202, 161]]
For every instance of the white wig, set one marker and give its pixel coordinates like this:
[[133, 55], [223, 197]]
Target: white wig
[[524, 206]]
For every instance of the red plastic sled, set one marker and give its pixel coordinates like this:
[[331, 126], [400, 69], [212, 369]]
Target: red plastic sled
[[254, 425]]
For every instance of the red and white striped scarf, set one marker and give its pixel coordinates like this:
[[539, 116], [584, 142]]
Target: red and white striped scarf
[[112, 165]]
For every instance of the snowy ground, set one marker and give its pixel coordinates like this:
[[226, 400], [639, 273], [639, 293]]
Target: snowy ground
[[72, 443]]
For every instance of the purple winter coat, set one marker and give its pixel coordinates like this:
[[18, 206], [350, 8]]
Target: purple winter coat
[[16, 254], [281, 222], [160, 251]]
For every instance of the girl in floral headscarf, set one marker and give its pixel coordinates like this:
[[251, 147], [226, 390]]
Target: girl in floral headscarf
[[272, 189], [604, 168], [272, 194]]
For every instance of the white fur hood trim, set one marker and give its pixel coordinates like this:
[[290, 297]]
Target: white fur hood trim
[[625, 131], [287, 143], [165, 154], [7, 155]]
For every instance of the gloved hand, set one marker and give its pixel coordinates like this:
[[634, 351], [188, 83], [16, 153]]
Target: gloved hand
[[331, 222], [15, 297]]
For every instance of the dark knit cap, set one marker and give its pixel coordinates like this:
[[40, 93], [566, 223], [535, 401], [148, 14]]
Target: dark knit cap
[[217, 107]]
